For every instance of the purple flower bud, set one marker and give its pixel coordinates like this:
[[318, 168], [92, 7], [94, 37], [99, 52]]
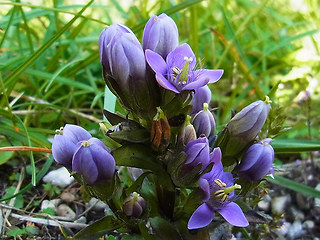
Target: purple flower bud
[[201, 95], [257, 161], [65, 141], [134, 205], [160, 35], [198, 152], [187, 132], [93, 161], [124, 68], [248, 122], [105, 39], [204, 123]]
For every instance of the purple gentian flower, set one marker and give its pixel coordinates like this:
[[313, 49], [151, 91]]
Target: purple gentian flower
[[204, 123], [257, 161], [218, 188], [249, 121], [198, 152], [93, 161], [177, 72], [160, 35], [65, 141], [201, 95], [187, 133]]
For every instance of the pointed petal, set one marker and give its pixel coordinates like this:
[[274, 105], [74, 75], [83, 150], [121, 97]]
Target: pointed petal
[[212, 75], [196, 83], [156, 62], [205, 187], [176, 58], [163, 82], [234, 215], [201, 217]]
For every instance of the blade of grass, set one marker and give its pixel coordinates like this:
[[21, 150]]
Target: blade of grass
[[294, 146], [12, 78], [297, 187], [27, 29], [8, 26], [50, 9]]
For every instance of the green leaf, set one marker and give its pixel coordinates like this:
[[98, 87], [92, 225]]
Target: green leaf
[[10, 193], [16, 231], [294, 146], [99, 228], [137, 184], [298, 187], [164, 229], [31, 230]]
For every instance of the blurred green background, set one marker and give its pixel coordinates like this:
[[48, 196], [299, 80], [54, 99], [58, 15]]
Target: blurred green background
[[50, 72]]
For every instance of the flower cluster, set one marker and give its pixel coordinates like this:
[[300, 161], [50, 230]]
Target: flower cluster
[[75, 148], [169, 132]]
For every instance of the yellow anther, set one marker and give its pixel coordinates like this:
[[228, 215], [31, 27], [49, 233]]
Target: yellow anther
[[220, 183], [86, 143]]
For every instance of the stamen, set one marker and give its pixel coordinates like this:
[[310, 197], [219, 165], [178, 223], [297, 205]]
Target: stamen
[[59, 131], [86, 143], [176, 72], [220, 183]]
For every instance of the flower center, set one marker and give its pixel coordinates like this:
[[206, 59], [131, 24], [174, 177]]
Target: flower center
[[223, 193], [86, 143], [59, 131], [183, 73]]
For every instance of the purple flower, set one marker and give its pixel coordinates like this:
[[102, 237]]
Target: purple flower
[[218, 188], [160, 35], [249, 121], [177, 72], [134, 205], [65, 141], [93, 161], [198, 152], [187, 133], [201, 95], [257, 161], [204, 123]]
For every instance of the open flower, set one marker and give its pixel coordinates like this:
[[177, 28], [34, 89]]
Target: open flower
[[177, 72], [93, 161], [64, 143], [218, 188]]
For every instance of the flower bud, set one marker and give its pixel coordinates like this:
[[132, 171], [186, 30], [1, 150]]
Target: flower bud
[[257, 161], [134, 205], [242, 129], [201, 95], [93, 161], [124, 68], [65, 141], [204, 123], [160, 131], [248, 122], [160, 35], [198, 152], [187, 133]]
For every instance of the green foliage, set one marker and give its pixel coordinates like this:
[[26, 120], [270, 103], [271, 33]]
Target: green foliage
[[29, 230], [52, 190], [10, 193]]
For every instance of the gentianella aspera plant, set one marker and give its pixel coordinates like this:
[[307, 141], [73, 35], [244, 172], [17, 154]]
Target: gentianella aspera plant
[[183, 175]]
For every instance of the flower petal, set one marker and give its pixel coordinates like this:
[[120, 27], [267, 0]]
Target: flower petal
[[196, 83], [163, 82], [176, 58], [156, 62], [234, 215], [212, 75], [201, 217], [205, 187]]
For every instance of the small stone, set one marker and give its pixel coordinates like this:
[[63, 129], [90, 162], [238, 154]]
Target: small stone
[[97, 205], [65, 211], [302, 201], [317, 200], [264, 204], [295, 230], [308, 224], [280, 203], [60, 177], [81, 219], [296, 213], [53, 204], [67, 197]]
